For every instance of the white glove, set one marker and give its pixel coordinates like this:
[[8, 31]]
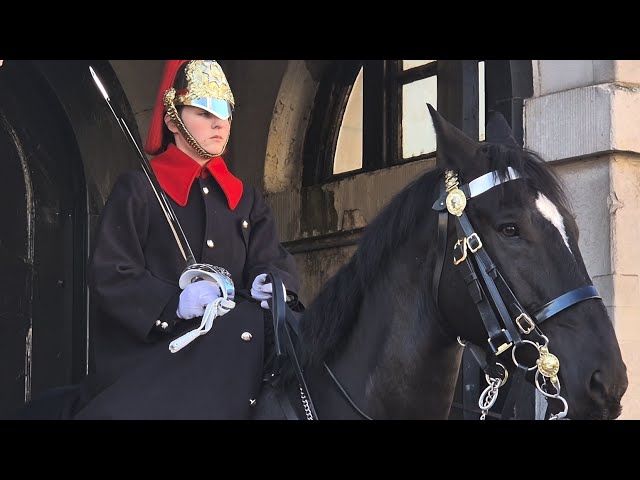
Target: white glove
[[195, 297], [263, 291]]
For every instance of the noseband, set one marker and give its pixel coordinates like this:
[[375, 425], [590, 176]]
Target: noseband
[[512, 326]]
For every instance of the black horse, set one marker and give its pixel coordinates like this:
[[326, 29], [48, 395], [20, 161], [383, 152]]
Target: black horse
[[504, 276]]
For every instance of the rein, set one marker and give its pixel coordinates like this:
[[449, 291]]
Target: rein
[[284, 348], [283, 320], [487, 286]]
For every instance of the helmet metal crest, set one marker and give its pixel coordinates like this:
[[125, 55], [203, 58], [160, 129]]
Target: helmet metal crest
[[205, 79]]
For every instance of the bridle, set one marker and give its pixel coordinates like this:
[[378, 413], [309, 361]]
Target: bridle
[[513, 326]]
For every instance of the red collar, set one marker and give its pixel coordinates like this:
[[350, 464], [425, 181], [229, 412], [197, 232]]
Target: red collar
[[176, 172]]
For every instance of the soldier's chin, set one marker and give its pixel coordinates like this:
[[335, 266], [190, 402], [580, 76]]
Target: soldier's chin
[[215, 152]]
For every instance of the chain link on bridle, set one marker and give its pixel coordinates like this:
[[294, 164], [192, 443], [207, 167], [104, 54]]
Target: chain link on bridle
[[490, 394], [547, 367], [305, 404]]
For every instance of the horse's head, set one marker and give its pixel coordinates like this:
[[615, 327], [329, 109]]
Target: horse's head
[[519, 220]]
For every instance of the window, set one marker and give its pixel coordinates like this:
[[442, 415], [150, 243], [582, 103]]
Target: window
[[372, 114], [348, 156], [418, 83]]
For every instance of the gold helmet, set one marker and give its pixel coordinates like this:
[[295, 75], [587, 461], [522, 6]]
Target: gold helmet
[[197, 83], [202, 84]]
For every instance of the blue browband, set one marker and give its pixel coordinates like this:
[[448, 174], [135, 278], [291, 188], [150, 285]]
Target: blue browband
[[478, 186]]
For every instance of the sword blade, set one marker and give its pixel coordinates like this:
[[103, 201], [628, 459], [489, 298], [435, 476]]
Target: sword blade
[[172, 220]]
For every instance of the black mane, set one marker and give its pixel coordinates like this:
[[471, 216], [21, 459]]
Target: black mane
[[328, 321]]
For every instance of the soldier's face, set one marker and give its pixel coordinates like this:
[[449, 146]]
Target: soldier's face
[[209, 131]]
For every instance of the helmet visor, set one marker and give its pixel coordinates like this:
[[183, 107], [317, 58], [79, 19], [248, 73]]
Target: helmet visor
[[220, 108]]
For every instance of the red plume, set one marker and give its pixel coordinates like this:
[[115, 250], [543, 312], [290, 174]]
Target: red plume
[[154, 138]]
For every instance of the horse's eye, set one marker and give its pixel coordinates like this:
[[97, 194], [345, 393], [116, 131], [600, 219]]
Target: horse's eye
[[509, 230]]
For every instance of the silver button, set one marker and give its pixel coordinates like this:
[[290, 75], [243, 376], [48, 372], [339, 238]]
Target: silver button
[[205, 190], [245, 224], [246, 336], [210, 243]]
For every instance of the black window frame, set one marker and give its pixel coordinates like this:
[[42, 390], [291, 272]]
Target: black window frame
[[507, 84], [398, 78]]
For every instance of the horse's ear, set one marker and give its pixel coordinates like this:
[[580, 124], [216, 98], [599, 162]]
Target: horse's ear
[[455, 149], [498, 129]]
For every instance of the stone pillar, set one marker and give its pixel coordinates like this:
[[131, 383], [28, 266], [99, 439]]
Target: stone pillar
[[587, 114]]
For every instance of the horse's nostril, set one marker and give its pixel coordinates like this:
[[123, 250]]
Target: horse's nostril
[[597, 388]]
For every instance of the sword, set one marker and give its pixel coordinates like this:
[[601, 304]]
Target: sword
[[172, 220], [194, 271]]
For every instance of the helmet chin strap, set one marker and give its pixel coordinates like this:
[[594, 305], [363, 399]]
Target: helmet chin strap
[[195, 145], [172, 111], [215, 154]]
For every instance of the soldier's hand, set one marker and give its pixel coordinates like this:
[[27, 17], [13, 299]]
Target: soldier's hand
[[263, 291], [195, 297]]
